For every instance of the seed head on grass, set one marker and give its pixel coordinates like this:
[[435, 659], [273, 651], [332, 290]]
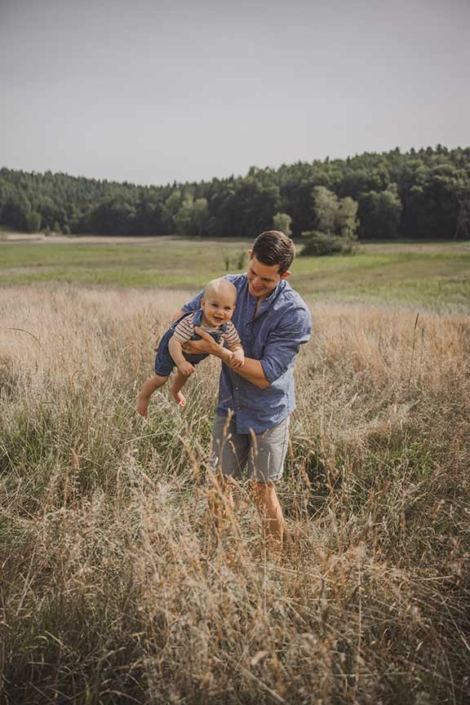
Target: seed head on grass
[[118, 576]]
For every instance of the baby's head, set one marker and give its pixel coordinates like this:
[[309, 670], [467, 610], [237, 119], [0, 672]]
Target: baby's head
[[218, 301]]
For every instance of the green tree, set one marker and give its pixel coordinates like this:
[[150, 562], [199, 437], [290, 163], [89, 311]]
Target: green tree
[[346, 218], [462, 230], [200, 216], [325, 204], [16, 210], [171, 207], [380, 214], [283, 222], [432, 203], [114, 216], [193, 217], [33, 222], [336, 224], [334, 216], [421, 193]]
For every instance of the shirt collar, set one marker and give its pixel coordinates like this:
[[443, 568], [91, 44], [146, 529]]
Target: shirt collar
[[269, 300]]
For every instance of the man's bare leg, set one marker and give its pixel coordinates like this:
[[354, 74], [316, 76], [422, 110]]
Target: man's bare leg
[[176, 387], [270, 511]]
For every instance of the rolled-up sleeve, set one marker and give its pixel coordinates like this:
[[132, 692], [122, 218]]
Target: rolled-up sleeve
[[284, 342]]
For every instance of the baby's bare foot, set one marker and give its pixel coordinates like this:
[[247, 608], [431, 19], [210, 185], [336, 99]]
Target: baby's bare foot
[[179, 398]]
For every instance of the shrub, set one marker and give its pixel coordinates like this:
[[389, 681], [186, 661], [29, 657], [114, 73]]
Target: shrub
[[318, 244], [237, 262]]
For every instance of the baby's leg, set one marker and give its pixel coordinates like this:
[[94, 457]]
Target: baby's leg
[[176, 387], [145, 393]]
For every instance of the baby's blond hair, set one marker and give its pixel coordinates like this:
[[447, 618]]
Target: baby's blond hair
[[218, 285]]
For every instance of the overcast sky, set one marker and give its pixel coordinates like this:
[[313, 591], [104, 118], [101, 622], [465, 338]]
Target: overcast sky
[[152, 91]]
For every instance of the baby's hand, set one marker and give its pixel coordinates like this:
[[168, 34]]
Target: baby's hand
[[238, 358], [186, 368]]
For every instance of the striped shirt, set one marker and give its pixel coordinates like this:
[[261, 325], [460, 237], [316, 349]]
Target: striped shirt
[[184, 330]]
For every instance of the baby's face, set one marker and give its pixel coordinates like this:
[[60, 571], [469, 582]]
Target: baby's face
[[218, 307]]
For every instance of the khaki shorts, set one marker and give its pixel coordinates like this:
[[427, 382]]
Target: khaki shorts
[[263, 453]]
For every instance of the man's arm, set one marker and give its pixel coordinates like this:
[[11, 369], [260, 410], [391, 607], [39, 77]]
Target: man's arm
[[283, 343], [279, 352], [252, 370]]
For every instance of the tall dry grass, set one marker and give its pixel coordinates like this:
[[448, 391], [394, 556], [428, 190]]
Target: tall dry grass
[[119, 584]]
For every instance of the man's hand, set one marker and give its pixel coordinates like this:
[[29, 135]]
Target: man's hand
[[186, 368], [206, 346], [237, 359]]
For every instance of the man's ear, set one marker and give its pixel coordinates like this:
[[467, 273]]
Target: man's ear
[[250, 254], [284, 275], [203, 302]]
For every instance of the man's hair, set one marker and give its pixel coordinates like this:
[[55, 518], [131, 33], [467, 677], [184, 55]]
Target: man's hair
[[273, 247]]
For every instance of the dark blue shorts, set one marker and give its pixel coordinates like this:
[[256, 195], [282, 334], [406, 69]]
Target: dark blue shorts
[[164, 363]]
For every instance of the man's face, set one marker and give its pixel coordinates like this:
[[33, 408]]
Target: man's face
[[263, 278]]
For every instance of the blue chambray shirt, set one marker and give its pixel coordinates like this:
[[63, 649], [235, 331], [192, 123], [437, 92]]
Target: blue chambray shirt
[[274, 337]]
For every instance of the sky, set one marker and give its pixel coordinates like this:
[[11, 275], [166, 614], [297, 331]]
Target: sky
[[156, 91]]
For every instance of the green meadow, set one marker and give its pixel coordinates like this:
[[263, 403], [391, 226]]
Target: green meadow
[[435, 276]]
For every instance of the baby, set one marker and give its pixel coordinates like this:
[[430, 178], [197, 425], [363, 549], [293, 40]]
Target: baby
[[214, 316]]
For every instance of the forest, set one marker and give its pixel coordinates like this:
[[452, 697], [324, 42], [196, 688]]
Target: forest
[[419, 194]]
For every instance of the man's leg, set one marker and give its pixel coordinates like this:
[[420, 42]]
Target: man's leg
[[229, 455], [176, 387], [265, 466], [270, 511]]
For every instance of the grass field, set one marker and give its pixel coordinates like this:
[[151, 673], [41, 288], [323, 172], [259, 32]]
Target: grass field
[[435, 276], [118, 582]]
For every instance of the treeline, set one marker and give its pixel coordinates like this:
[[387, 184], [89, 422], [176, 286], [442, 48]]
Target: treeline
[[418, 194]]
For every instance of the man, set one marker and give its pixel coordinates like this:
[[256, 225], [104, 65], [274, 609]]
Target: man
[[255, 399]]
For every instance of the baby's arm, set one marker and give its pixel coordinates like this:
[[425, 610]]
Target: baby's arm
[[176, 352], [234, 345], [238, 355]]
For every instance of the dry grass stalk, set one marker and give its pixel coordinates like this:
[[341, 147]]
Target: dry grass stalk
[[119, 584]]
